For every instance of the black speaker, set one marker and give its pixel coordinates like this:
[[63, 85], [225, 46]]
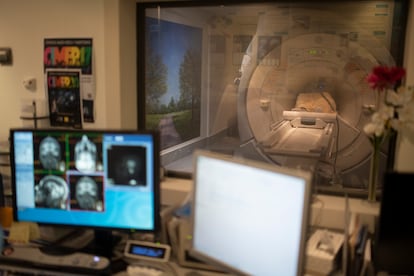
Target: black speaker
[[394, 243]]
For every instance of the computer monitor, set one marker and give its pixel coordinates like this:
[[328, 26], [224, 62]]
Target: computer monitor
[[98, 179], [394, 245], [249, 217]]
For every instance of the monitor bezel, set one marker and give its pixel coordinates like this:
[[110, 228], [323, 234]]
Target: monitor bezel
[[154, 134], [307, 176]]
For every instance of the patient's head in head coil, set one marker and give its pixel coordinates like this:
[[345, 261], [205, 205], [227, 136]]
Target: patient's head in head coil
[[315, 102], [85, 155]]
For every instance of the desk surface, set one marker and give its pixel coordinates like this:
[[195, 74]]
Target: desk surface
[[171, 269]]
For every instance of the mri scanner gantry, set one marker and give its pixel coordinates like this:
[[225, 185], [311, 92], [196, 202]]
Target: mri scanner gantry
[[304, 104]]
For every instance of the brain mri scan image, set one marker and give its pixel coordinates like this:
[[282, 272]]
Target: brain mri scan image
[[51, 192], [131, 168], [129, 171], [85, 155], [49, 153], [127, 165], [87, 194]]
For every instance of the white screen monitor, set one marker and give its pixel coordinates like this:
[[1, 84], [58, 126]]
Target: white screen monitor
[[249, 217]]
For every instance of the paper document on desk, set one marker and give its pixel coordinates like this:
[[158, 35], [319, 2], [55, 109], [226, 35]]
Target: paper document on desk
[[23, 232]]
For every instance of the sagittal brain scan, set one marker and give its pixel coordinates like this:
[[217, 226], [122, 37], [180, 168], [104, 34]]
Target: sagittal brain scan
[[51, 192], [50, 153], [86, 194], [85, 155], [127, 165]]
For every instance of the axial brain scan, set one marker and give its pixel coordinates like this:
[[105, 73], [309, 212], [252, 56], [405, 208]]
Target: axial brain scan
[[49, 153], [85, 155], [87, 193]]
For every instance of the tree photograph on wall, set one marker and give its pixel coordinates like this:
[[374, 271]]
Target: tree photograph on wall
[[173, 80]]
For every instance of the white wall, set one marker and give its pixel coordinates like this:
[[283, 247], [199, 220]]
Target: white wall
[[128, 64], [23, 26]]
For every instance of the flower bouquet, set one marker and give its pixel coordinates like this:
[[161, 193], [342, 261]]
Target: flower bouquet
[[391, 114]]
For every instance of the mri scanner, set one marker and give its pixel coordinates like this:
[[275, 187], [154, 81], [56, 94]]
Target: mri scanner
[[304, 104], [299, 96]]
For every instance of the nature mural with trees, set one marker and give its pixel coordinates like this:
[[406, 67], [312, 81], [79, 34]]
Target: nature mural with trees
[[173, 81]]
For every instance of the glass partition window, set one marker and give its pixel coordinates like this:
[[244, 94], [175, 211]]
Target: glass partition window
[[282, 82]]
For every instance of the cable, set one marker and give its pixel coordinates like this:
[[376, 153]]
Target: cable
[[346, 236], [335, 179]]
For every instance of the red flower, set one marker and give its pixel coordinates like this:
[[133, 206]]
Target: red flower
[[383, 77]]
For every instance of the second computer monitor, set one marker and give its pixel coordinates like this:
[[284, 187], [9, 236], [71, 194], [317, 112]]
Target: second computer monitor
[[250, 217]]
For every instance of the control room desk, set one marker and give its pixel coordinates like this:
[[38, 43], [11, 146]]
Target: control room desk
[[173, 270]]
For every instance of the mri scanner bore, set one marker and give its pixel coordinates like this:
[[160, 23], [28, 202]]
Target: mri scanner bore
[[315, 97], [310, 96]]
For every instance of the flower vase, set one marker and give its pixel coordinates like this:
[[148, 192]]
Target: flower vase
[[374, 173]]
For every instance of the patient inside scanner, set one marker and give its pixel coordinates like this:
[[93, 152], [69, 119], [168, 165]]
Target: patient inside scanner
[[306, 129]]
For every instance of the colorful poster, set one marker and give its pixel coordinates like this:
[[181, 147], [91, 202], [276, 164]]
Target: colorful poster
[[74, 53], [64, 98]]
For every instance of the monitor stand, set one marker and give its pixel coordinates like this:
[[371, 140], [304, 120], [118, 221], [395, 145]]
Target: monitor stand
[[69, 243], [103, 243]]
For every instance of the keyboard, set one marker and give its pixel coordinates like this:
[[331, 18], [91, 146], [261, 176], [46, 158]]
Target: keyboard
[[73, 263], [142, 270]]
